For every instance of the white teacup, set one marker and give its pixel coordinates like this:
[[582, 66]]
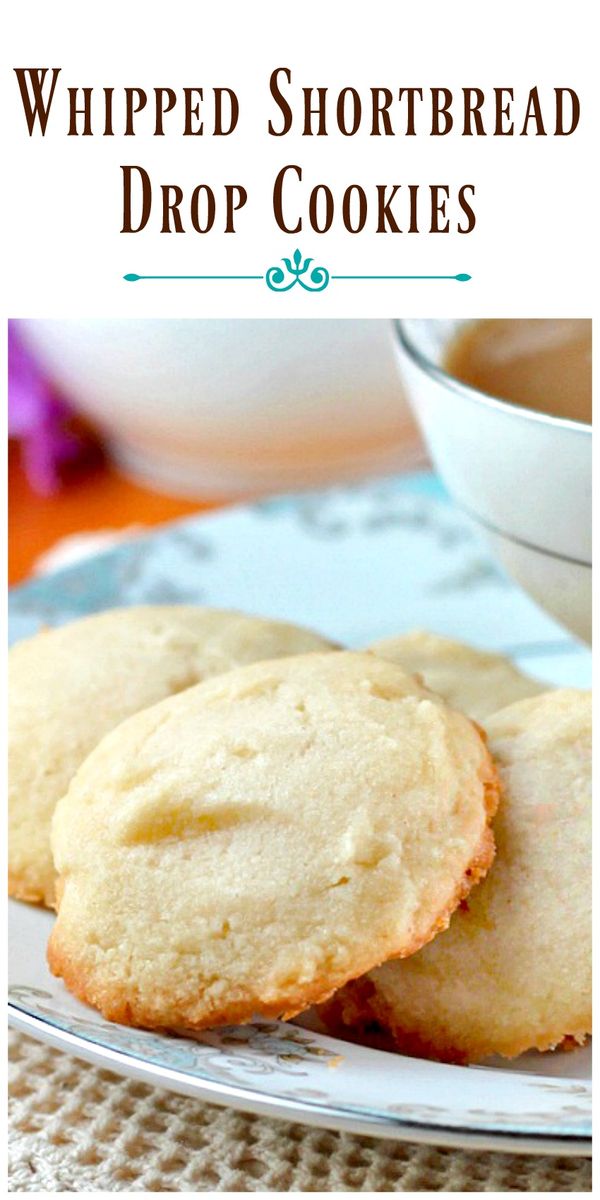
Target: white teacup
[[525, 477]]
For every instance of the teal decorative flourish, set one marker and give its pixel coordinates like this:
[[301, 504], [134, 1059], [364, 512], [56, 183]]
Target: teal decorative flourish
[[276, 278], [278, 281]]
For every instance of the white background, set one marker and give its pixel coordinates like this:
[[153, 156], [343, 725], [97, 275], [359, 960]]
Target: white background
[[529, 255]]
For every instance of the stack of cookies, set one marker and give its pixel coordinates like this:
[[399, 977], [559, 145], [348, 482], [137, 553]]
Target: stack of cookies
[[235, 818]]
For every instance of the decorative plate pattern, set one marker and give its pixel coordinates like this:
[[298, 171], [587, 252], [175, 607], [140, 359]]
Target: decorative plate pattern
[[356, 563]]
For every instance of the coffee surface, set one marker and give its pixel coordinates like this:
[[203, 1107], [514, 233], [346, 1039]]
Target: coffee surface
[[541, 364]]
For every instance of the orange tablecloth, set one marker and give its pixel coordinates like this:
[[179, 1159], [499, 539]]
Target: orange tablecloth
[[101, 499]]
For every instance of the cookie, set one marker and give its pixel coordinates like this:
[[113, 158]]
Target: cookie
[[69, 686], [250, 845], [474, 681], [513, 970]]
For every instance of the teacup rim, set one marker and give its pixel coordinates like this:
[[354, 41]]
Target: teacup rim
[[477, 394]]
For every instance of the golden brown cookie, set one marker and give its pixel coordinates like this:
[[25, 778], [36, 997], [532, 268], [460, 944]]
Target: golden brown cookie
[[69, 686], [474, 681], [250, 845], [513, 970]]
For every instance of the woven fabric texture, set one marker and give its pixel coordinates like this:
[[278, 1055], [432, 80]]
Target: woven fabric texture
[[76, 1128]]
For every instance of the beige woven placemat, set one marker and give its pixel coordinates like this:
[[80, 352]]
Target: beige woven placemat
[[76, 1128]]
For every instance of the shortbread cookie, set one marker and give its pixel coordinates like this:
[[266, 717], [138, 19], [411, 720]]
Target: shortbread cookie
[[70, 686], [250, 845], [513, 971], [471, 680]]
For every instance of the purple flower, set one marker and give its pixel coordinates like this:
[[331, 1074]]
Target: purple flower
[[39, 419]]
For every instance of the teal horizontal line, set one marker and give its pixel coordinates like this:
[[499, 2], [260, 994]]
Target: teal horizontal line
[[134, 278], [460, 278]]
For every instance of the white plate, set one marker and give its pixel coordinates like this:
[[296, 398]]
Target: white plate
[[356, 563]]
